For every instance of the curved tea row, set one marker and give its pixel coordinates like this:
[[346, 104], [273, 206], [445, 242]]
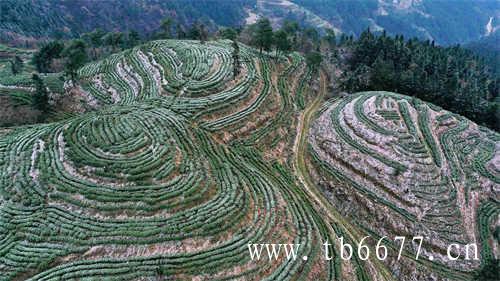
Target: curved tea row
[[143, 188], [415, 168], [197, 81], [136, 191]]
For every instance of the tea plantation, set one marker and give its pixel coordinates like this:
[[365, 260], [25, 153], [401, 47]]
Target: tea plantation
[[177, 165]]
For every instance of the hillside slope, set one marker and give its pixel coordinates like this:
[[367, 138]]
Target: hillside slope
[[177, 165], [394, 165], [26, 19], [153, 182], [446, 22]]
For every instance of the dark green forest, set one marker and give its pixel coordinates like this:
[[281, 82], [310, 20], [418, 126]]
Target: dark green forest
[[22, 20], [489, 48], [451, 77]]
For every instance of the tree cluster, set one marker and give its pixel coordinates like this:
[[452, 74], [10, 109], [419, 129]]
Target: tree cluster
[[103, 43], [290, 37], [170, 29], [69, 55], [72, 55], [44, 58]]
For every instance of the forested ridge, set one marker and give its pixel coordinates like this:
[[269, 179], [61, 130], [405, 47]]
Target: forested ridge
[[446, 22], [454, 77], [23, 20], [488, 48], [451, 77]]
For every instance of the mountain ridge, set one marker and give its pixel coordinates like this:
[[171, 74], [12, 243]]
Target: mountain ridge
[[446, 22]]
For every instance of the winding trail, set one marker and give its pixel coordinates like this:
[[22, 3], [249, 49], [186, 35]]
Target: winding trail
[[321, 205]]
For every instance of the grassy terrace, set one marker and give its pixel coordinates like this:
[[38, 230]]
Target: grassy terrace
[[424, 170], [143, 188], [179, 165]]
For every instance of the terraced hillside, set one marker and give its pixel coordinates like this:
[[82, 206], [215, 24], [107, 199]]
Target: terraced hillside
[[177, 165], [396, 166], [148, 186], [195, 80]]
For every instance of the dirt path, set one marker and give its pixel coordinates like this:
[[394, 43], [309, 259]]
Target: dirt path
[[320, 204]]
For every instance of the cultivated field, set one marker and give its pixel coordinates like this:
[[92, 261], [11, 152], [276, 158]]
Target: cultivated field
[[397, 166], [162, 179], [176, 166]]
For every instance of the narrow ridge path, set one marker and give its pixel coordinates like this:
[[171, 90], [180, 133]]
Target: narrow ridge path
[[319, 202]]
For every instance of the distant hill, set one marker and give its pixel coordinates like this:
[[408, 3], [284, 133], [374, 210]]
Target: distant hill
[[23, 20], [446, 22]]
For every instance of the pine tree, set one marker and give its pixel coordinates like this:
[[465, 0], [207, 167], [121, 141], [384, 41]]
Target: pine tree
[[281, 41], [179, 29], [203, 33], [76, 56], [44, 57], [114, 40], [194, 32], [330, 38], [133, 39], [263, 37], [165, 27], [228, 33], [236, 59], [313, 60], [16, 65], [41, 95]]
